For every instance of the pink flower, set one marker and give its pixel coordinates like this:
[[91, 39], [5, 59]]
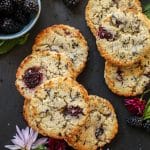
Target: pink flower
[[135, 106]]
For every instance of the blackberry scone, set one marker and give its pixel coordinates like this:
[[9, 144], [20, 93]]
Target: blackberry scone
[[97, 10], [100, 128], [124, 37], [63, 38], [128, 81], [40, 67], [58, 108]]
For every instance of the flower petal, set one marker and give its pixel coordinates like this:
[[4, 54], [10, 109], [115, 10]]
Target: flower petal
[[12, 147], [19, 133], [41, 141], [17, 142], [25, 134]]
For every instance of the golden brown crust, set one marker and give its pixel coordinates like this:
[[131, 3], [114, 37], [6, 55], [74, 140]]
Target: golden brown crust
[[39, 59], [81, 140], [89, 21], [42, 107], [113, 58], [74, 33]]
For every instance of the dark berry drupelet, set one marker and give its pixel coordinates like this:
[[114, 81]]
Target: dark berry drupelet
[[31, 6], [146, 125], [71, 3], [135, 122], [18, 2], [10, 26], [6, 6], [21, 17]]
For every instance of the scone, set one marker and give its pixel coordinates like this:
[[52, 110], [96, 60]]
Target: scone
[[124, 37], [128, 81], [97, 10], [100, 128], [40, 67], [58, 108], [63, 38]]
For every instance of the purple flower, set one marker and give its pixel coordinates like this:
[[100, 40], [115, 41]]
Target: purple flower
[[26, 139]]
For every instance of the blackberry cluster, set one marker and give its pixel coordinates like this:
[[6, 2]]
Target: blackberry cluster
[[71, 3], [139, 123], [15, 14]]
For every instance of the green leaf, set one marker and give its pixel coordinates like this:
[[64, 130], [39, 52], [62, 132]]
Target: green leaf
[[147, 111], [6, 46], [147, 10], [41, 147]]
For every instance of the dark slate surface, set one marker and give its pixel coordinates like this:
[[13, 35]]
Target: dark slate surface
[[55, 12]]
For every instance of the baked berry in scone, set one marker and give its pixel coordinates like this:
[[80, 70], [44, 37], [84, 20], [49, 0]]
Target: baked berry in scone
[[124, 37], [128, 81], [97, 10], [100, 128], [40, 67], [59, 107], [63, 38]]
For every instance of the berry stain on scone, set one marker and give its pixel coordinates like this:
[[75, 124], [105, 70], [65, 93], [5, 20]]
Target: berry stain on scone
[[100, 128], [97, 10], [66, 39], [40, 67], [128, 81], [58, 108], [124, 37]]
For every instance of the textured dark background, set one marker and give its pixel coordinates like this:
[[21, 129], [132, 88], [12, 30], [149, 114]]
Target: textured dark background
[[55, 12]]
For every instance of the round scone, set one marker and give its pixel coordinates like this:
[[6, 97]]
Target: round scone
[[124, 37], [63, 38], [100, 128], [97, 10], [39, 67], [128, 81], [59, 107]]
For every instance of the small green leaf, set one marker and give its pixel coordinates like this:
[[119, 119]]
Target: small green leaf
[[147, 10], [147, 111], [6, 46], [41, 147]]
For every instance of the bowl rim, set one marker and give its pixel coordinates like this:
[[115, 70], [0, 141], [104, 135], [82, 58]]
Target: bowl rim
[[29, 27]]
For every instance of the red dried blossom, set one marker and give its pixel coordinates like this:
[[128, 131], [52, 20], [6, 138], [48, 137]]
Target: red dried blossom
[[135, 106]]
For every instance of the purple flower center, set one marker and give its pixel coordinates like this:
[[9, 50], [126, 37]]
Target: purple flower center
[[32, 77]]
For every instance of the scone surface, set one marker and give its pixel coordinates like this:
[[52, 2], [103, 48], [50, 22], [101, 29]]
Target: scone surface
[[63, 38], [124, 37], [39, 67], [97, 10], [128, 81], [100, 128], [60, 107]]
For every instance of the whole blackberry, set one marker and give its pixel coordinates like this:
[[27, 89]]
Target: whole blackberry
[[21, 17], [6, 6], [71, 3], [10, 26], [146, 125], [135, 122], [31, 6]]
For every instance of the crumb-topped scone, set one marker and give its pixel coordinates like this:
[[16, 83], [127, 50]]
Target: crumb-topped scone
[[124, 37], [39, 67], [59, 108], [96, 10], [63, 38], [128, 81], [100, 128]]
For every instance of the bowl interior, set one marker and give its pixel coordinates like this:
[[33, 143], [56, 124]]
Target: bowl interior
[[25, 29]]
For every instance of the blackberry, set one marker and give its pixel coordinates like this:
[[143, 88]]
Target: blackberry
[[146, 125], [32, 77], [31, 6], [10, 26], [71, 3], [6, 6], [18, 2], [21, 17], [135, 122]]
